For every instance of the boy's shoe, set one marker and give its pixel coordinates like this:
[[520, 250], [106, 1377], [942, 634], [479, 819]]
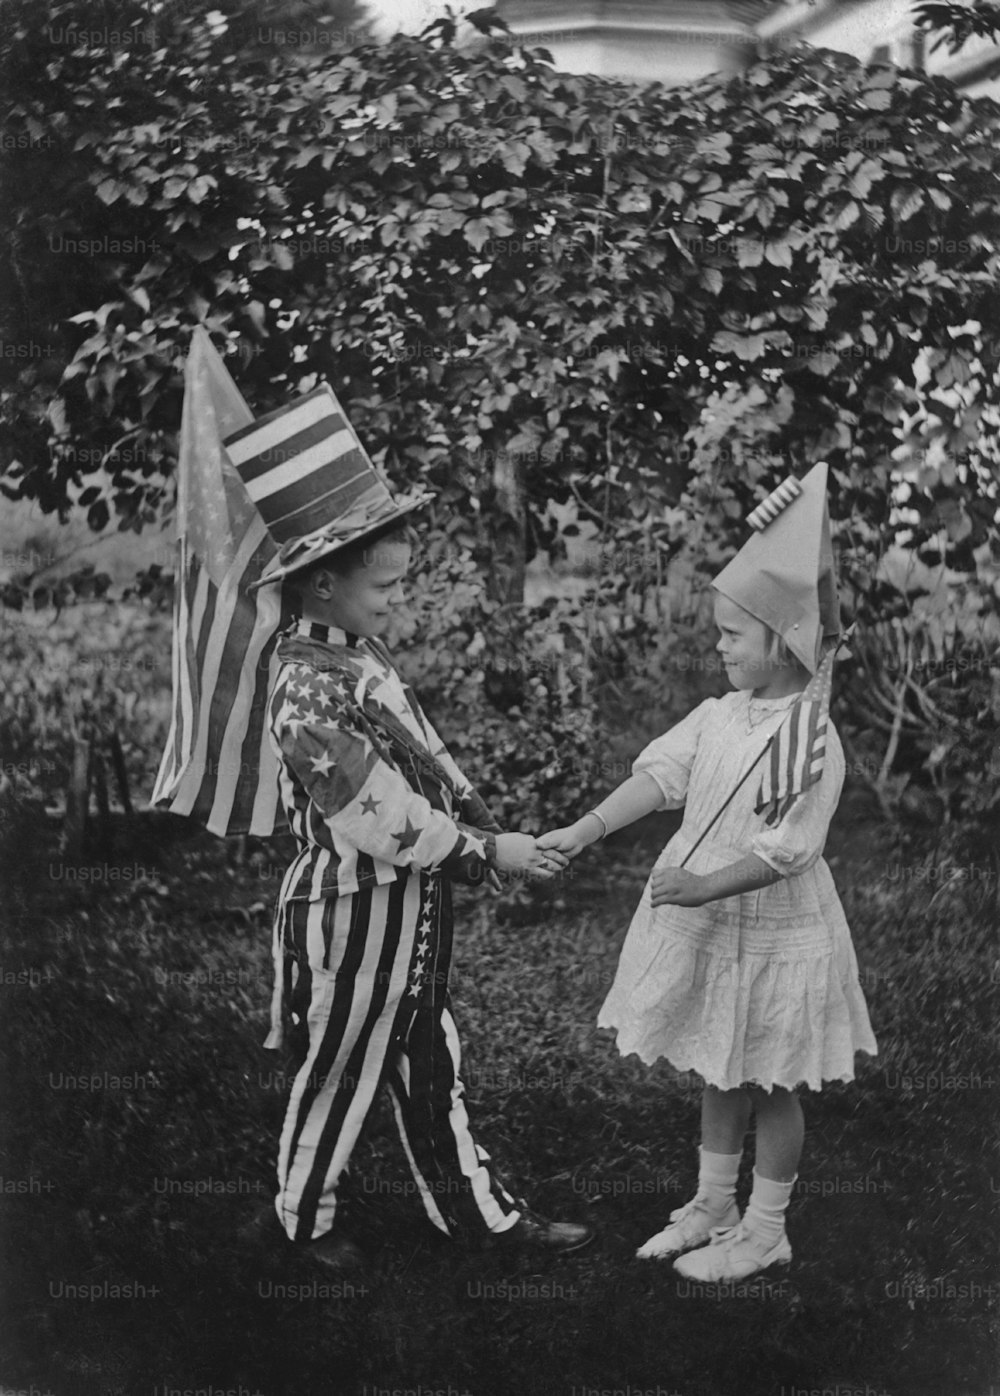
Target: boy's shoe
[[690, 1226], [336, 1252], [535, 1233], [734, 1253]]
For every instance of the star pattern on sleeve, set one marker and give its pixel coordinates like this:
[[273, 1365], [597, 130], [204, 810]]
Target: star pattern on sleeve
[[322, 764], [369, 805], [408, 836]]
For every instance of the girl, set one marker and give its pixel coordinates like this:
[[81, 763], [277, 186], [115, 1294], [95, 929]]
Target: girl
[[741, 967]]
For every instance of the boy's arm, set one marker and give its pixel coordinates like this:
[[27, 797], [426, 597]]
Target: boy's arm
[[370, 805]]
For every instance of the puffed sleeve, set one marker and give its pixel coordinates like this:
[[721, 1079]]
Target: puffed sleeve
[[668, 759], [797, 841]]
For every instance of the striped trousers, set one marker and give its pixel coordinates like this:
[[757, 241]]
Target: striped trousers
[[365, 990]]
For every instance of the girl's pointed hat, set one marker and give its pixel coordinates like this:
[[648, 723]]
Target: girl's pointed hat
[[784, 575]]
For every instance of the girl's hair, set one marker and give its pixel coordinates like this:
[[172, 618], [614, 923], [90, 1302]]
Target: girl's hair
[[777, 651], [360, 554]]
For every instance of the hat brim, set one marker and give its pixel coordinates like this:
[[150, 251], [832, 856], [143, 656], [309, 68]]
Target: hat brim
[[275, 572]]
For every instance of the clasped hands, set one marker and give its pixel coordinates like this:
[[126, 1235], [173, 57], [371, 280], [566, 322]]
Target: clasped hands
[[669, 886], [521, 853]]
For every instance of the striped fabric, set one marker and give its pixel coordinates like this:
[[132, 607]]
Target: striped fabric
[[218, 766], [779, 499], [794, 759], [367, 992], [303, 466]]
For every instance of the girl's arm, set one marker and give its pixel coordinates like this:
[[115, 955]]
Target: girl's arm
[[635, 797], [678, 887]]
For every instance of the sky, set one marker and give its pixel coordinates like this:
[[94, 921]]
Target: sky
[[412, 15]]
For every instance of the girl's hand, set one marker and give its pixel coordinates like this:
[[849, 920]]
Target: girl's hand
[[520, 853], [678, 887], [570, 840]]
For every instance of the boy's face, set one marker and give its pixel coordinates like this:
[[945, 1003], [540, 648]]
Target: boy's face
[[744, 644], [361, 600]]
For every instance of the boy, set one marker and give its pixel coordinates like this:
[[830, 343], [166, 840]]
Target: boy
[[384, 820]]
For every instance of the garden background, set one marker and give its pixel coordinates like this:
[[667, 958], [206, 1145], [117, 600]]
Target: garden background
[[601, 322]]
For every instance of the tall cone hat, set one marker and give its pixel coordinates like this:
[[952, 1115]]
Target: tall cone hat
[[784, 574]]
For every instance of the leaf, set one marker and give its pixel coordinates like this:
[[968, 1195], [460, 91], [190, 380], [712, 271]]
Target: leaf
[[779, 254], [746, 347], [109, 190], [711, 279], [849, 214], [749, 252], [906, 199], [877, 99]]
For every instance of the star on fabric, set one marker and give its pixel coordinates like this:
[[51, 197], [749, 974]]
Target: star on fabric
[[369, 805], [306, 689], [474, 844], [292, 718], [322, 765], [407, 837]]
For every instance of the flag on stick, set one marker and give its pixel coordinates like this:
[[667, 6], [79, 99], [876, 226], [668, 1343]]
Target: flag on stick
[[796, 751], [218, 766]]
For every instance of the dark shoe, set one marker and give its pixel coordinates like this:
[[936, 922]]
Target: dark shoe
[[336, 1252], [535, 1233]]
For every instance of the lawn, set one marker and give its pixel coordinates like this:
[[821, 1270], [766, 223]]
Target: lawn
[[141, 1114]]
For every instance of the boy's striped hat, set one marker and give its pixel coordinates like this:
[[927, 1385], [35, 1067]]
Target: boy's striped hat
[[312, 481]]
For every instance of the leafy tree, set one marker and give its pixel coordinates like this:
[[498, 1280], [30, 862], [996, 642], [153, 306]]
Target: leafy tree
[[566, 302], [958, 23]]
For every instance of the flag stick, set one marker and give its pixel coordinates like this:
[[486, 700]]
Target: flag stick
[[756, 762], [735, 791]]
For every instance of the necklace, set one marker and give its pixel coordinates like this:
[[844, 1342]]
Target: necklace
[[754, 721]]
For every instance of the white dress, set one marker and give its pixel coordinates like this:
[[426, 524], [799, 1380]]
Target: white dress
[[757, 989]]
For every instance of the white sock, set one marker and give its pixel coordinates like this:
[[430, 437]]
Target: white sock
[[717, 1174], [765, 1214]]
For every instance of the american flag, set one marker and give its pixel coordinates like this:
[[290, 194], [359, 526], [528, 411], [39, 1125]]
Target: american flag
[[794, 759], [218, 766]]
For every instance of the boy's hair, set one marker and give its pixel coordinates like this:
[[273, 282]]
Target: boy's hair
[[343, 562]]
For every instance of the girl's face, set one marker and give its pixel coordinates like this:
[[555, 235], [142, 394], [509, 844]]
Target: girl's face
[[745, 647]]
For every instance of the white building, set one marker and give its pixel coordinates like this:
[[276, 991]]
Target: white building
[[676, 41]]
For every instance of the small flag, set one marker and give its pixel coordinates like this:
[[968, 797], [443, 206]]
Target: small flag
[[794, 759], [218, 766]]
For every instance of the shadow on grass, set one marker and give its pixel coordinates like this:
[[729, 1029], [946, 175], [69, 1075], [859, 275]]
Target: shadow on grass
[[142, 1113]]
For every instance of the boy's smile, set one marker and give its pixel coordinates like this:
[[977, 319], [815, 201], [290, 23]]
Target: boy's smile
[[361, 600]]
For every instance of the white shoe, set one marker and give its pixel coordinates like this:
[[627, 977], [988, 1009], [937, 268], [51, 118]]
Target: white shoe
[[734, 1253], [690, 1226]]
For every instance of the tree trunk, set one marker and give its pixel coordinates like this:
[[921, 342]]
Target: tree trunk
[[508, 543]]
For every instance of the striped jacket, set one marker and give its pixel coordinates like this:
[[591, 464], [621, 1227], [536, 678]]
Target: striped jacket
[[366, 783]]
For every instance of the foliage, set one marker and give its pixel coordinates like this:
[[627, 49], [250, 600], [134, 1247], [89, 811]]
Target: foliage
[[487, 256], [647, 305], [98, 669], [958, 23]]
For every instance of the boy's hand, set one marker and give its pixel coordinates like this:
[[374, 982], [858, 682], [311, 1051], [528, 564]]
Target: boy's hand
[[678, 887], [520, 853], [570, 840]]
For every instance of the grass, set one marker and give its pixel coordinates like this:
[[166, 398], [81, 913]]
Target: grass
[[142, 1114]]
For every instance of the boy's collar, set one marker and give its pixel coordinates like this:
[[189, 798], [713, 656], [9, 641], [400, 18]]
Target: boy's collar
[[325, 634]]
